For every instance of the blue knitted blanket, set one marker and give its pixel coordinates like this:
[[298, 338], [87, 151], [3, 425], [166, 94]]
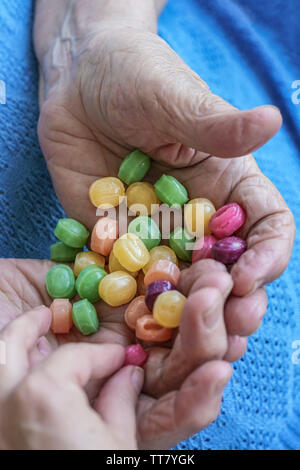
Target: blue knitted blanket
[[248, 52]]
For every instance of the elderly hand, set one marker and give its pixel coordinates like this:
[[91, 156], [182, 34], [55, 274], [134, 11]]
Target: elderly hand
[[112, 85], [183, 383]]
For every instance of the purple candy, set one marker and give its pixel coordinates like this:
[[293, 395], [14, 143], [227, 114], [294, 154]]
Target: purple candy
[[156, 288], [228, 250]]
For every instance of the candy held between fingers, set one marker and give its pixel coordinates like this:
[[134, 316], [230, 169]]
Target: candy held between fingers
[[155, 289], [147, 230], [142, 199], [87, 283], [229, 250], [131, 252], [203, 248], [107, 192], [227, 220], [197, 214], [135, 355], [87, 258], [117, 288], [134, 167], [163, 270], [170, 191], [60, 282], [62, 253], [62, 321], [182, 243], [104, 234], [147, 329], [71, 232], [136, 309], [85, 317], [160, 252], [114, 265], [168, 308]]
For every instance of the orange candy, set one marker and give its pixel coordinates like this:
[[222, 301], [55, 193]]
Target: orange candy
[[62, 320], [162, 270], [136, 309], [104, 235], [147, 329]]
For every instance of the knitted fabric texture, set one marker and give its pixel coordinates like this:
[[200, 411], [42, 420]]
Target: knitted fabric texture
[[248, 54]]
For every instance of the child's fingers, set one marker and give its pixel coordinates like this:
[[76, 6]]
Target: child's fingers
[[82, 362], [180, 414], [41, 350], [117, 401], [20, 337]]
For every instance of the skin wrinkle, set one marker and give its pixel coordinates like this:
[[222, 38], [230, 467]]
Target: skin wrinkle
[[121, 117]]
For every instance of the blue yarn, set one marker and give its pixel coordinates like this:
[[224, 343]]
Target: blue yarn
[[248, 53]]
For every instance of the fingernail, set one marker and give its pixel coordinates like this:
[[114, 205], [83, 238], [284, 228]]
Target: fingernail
[[43, 346], [137, 379]]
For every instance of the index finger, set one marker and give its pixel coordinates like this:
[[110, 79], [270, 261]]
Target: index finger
[[82, 362]]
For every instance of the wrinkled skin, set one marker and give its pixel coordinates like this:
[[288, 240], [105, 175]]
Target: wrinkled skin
[[126, 89]]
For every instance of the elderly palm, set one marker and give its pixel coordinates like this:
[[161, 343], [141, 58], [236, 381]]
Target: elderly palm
[[120, 89]]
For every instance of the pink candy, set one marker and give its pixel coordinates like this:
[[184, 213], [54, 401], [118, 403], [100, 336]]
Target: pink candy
[[135, 355], [227, 220], [203, 248]]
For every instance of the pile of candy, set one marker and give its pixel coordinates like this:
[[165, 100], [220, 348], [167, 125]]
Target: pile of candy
[[135, 268]]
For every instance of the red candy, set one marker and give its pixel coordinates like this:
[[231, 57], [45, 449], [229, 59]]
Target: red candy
[[135, 355], [227, 220], [229, 250], [203, 248]]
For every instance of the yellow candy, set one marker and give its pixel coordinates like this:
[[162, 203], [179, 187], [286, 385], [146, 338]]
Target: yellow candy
[[86, 258], [114, 265], [160, 252], [141, 198], [117, 288], [168, 308], [131, 252], [197, 214], [107, 192]]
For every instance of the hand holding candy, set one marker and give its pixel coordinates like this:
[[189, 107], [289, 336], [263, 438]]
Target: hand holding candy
[[194, 376]]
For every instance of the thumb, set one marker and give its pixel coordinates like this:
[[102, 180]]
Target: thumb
[[117, 402], [188, 112]]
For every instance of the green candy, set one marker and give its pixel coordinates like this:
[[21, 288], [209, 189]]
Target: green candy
[[87, 283], [170, 191], [134, 167], [62, 253], [85, 317], [71, 233], [147, 230], [60, 282], [179, 238]]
